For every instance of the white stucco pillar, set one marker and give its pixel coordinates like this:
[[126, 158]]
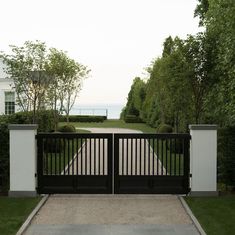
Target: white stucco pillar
[[203, 160], [22, 160]]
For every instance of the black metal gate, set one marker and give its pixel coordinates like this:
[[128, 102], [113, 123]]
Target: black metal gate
[[74, 163], [143, 163], [151, 163]]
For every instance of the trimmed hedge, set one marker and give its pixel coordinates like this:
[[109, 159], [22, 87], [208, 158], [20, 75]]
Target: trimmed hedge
[[164, 128], [226, 156], [83, 118], [132, 119], [44, 119], [67, 128]]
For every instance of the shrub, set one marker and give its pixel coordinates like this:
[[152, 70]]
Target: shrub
[[83, 118], [176, 146], [67, 128], [44, 119], [164, 128], [53, 145], [226, 156], [132, 119]]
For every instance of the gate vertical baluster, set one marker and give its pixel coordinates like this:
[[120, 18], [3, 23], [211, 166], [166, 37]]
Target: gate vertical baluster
[[81, 142], [77, 149], [104, 157], [166, 162], [94, 157], [72, 160], [144, 155], [153, 156], [64, 152], [175, 158], [140, 160], [99, 156], [60, 149], [68, 155], [86, 156], [170, 156], [90, 140], [158, 156], [127, 157], [123, 142], [149, 156], [51, 147], [55, 157], [136, 156], [162, 153], [131, 154]]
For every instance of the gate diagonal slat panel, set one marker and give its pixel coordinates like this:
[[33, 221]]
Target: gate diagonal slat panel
[[151, 163], [83, 163], [74, 163]]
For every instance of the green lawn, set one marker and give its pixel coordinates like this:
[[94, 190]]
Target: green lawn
[[13, 213], [55, 162], [114, 124], [170, 163], [215, 214]]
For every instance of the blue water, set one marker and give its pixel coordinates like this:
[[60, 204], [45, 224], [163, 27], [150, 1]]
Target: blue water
[[113, 110]]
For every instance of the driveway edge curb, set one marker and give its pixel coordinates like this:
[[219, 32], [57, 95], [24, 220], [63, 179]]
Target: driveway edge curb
[[27, 222], [191, 215]]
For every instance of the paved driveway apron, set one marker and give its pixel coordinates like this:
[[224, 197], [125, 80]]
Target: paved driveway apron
[[112, 214]]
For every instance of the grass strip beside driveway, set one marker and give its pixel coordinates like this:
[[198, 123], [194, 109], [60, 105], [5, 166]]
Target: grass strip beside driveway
[[215, 214], [13, 213]]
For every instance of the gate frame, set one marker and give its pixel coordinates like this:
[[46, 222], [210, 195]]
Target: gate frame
[[75, 179], [151, 179]]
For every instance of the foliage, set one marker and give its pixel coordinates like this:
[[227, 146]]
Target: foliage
[[66, 80], [45, 119], [164, 128], [67, 128], [26, 66], [135, 99], [226, 156], [132, 119]]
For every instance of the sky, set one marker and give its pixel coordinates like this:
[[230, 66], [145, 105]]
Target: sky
[[116, 39]]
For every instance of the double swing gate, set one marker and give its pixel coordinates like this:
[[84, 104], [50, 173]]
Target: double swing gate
[[113, 163]]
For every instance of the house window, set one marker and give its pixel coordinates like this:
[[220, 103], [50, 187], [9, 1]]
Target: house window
[[9, 102]]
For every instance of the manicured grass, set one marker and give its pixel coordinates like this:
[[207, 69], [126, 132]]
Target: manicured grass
[[114, 124], [215, 214], [55, 163], [13, 213], [170, 160]]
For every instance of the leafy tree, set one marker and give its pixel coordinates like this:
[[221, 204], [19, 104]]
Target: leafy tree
[[66, 80], [26, 66]]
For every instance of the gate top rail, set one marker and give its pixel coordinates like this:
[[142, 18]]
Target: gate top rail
[[73, 135], [152, 135]]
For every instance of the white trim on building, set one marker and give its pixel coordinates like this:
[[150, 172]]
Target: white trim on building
[[7, 93]]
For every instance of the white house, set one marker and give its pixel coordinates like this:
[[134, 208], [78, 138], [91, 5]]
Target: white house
[[7, 93]]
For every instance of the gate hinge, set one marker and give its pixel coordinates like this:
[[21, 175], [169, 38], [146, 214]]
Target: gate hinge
[[190, 175], [35, 175]]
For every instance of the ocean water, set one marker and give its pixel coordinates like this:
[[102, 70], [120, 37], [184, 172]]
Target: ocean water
[[113, 110]]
